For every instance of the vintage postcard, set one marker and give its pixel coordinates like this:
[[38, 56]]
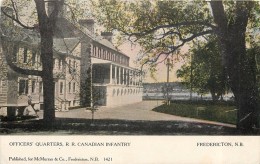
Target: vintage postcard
[[128, 81]]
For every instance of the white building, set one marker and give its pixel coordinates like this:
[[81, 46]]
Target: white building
[[112, 76]]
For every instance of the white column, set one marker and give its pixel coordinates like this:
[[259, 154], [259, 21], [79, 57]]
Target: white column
[[111, 73], [55, 64], [123, 76], [136, 81], [119, 79], [132, 77], [138, 77], [115, 74], [127, 78]]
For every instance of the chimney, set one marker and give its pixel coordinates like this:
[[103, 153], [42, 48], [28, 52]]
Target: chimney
[[107, 35], [88, 24], [50, 8]]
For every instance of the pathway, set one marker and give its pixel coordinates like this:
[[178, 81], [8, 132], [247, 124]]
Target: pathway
[[137, 111]]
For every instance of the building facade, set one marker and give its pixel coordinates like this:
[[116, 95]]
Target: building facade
[[112, 76], [76, 50]]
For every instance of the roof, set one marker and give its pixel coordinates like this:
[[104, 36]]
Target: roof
[[65, 45], [105, 42], [21, 35], [67, 29], [64, 29], [97, 61]]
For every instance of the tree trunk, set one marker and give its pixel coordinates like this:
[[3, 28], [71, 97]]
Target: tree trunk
[[213, 95], [47, 23], [46, 27], [242, 78], [240, 71], [47, 77]]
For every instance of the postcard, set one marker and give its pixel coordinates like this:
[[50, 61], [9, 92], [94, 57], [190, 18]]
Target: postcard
[[125, 81]]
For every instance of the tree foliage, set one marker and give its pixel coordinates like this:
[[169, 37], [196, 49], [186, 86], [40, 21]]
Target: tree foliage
[[208, 74], [160, 27], [86, 93]]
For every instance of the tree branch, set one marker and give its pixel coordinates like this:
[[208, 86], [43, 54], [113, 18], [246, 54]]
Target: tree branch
[[242, 14], [16, 17], [219, 15], [57, 8], [145, 32], [42, 15], [174, 48]]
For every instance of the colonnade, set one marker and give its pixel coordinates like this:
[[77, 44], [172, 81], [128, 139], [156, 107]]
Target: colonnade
[[124, 76]]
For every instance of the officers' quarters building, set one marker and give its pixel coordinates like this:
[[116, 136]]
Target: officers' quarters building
[[76, 50]]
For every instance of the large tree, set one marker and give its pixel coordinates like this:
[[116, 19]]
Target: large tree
[[161, 27], [46, 26]]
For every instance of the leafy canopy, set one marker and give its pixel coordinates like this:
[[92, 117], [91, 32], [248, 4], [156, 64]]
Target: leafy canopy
[[205, 72], [159, 27]]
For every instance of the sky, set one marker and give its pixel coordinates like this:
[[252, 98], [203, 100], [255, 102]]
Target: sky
[[161, 74]]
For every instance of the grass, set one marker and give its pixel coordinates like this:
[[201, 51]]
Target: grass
[[206, 110], [72, 126]]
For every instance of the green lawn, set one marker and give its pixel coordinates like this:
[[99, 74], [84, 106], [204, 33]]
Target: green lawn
[[221, 112]]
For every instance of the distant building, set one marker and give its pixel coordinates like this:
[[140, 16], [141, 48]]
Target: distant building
[[76, 49]]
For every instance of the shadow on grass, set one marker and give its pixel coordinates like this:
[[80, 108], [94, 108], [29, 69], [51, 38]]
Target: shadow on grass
[[69, 126], [224, 112]]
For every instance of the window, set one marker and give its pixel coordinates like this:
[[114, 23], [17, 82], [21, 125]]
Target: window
[[60, 64], [74, 64], [40, 87], [114, 57], [33, 86], [69, 87], [69, 66], [23, 87], [56, 63], [74, 87], [39, 58], [108, 56], [2, 85], [61, 87], [104, 54], [25, 55], [117, 58], [34, 57], [99, 52], [94, 51]]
